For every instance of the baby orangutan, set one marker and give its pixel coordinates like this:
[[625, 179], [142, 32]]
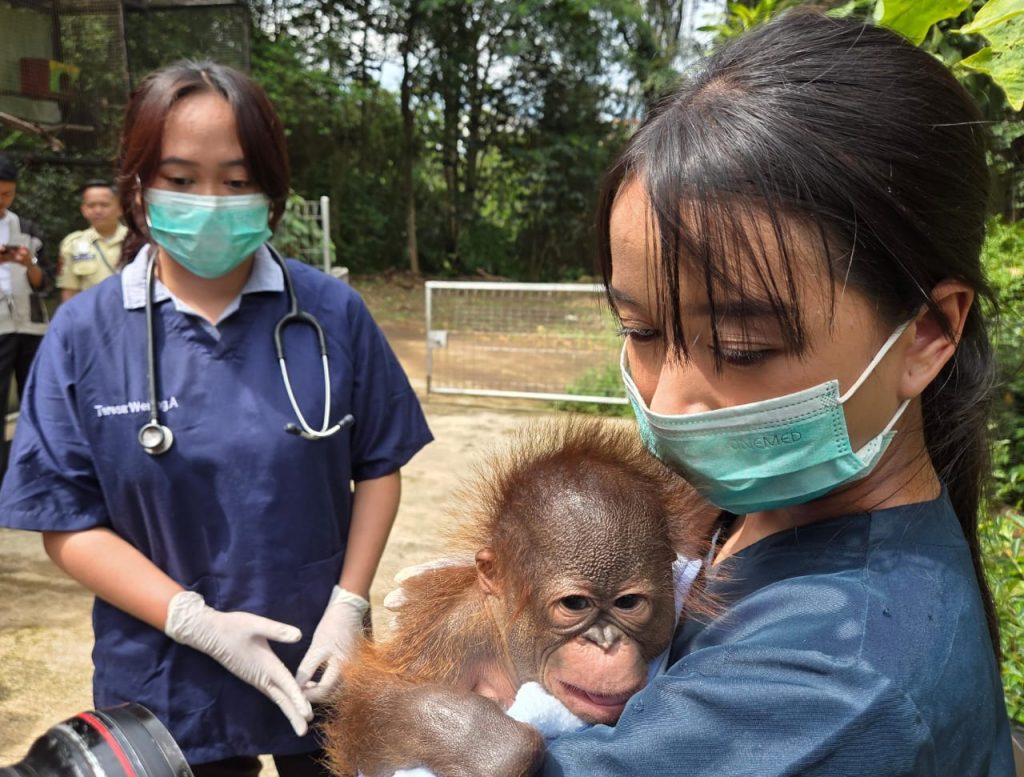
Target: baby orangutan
[[574, 533]]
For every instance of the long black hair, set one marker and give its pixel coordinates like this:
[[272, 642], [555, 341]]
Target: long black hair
[[848, 134]]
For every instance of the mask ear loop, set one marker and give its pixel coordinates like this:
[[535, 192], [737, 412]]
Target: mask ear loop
[[145, 212], [886, 347]]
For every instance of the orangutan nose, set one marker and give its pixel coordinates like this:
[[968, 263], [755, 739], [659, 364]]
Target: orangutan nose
[[604, 635]]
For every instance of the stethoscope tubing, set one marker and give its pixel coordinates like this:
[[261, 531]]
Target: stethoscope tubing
[[154, 437], [157, 438]]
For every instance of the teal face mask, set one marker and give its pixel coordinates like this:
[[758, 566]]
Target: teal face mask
[[760, 456], [209, 236]]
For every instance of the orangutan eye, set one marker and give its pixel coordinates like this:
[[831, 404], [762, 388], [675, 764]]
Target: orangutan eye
[[575, 603], [627, 602]]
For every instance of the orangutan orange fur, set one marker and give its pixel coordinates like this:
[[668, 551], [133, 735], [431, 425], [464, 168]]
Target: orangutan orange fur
[[573, 531]]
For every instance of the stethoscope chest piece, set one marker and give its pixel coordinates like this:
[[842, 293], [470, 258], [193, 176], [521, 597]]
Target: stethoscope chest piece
[[155, 438]]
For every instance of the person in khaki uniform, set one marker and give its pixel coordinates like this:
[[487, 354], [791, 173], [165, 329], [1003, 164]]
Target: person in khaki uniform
[[92, 255]]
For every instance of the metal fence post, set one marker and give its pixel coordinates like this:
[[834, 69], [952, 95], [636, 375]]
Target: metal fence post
[[325, 224]]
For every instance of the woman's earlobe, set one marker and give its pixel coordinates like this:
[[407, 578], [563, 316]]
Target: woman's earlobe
[[935, 336]]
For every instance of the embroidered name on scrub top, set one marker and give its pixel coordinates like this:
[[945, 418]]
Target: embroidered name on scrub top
[[134, 407]]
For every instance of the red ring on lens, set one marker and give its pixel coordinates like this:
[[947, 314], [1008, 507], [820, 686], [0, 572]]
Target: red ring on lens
[[103, 732]]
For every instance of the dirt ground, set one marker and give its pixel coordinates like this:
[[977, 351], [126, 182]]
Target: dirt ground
[[45, 630]]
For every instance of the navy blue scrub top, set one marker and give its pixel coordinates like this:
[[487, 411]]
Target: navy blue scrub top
[[252, 518], [856, 646]]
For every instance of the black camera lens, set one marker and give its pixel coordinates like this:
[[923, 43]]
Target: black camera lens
[[123, 741]]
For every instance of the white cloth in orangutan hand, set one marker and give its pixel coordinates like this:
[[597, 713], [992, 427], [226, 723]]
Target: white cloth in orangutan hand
[[544, 712]]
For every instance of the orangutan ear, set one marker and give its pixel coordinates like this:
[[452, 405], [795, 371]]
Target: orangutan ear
[[932, 347], [486, 571]]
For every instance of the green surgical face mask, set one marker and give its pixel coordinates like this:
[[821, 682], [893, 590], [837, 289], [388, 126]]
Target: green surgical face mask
[[207, 235], [782, 451]]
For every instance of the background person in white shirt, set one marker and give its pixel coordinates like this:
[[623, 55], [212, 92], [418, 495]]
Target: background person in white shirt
[[23, 317]]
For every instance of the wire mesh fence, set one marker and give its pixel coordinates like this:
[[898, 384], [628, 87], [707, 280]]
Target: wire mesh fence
[[62, 66], [553, 341], [66, 66], [159, 32]]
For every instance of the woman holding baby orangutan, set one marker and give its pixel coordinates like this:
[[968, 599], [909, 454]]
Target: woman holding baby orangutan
[[791, 244]]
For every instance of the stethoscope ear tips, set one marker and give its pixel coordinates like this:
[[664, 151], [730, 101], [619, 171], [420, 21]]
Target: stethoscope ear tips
[[309, 434], [155, 438]]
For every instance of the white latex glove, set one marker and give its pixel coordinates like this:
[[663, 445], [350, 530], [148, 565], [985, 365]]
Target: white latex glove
[[239, 642], [338, 630]]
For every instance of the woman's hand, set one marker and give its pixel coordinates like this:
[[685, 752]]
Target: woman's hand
[[240, 642], [333, 642], [118, 573]]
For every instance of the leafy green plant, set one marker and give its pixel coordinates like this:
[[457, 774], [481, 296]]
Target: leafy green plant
[[1001, 23], [1002, 543], [1002, 530], [1001, 256], [603, 381], [298, 237], [740, 17], [915, 19], [997, 22]]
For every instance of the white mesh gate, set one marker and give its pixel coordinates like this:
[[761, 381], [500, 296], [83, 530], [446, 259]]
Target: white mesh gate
[[554, 341]]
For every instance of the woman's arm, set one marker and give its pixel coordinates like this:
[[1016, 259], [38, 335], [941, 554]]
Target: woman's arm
[[115, 571], [373, 513], [118, 573]]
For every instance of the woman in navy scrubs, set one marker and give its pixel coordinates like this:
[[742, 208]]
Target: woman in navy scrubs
[[231, 570], [791, 243]]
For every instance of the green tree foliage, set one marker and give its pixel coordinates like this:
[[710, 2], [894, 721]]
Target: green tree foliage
[[1001, 22], [91, 43], [1002, 531], [468, 136], [1004, 247], [298, 235], [155, 37], [983, 42], [342, 142], [740, 17], [1002, 544], [915, 19], [487, 159]]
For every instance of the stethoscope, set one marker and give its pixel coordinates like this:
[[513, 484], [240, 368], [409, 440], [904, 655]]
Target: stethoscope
[[156, 438]]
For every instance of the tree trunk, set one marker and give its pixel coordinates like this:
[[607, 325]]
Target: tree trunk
[[409, 139], [473, 140], [450, 166]]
